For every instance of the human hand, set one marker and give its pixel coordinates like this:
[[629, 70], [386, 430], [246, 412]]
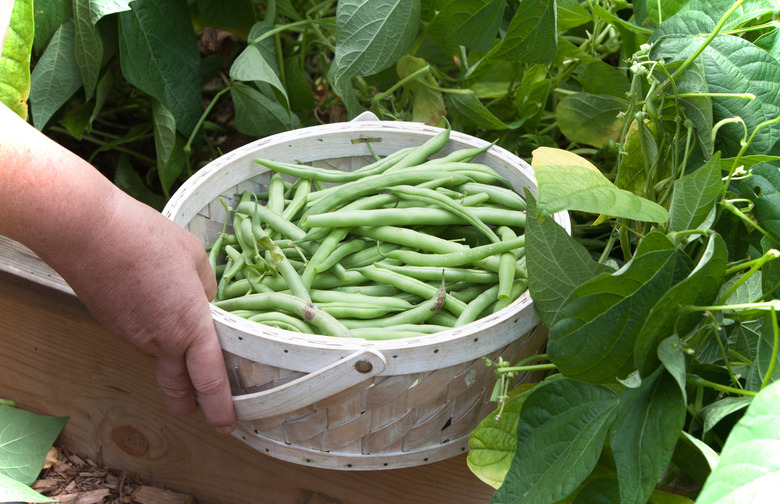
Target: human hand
[[149, 281]]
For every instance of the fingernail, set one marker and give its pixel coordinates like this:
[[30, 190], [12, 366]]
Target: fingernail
[[225, 429]]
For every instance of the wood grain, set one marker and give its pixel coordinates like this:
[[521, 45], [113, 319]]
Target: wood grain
[[57, 360]]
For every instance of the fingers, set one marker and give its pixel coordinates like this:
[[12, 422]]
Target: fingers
[[208, 377]]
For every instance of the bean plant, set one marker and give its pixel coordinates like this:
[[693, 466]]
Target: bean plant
[[654, 123]]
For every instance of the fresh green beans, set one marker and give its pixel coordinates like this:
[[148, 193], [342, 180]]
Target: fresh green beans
[[411, 244]]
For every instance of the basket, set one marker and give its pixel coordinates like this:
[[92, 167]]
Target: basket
[[344, 403]]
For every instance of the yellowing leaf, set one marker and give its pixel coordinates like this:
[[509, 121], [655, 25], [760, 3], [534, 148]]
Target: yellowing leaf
[[15, 59]]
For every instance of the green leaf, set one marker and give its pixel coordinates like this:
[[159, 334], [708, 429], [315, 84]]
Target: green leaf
[[591, 119], [569, 182], [649, 422], [472, 24], [164, 132], [532, 34], [427, 101], [560, 435], [599, 491], [227, 13], [731, 65], [250, 65], [158, 53], [557, 263], [694, 457], [48, 16], [767, 352], [717, 411], [298, 89], [593, 335], [24, 441], [695, 196], [15, 58], [372, 36], [88, 46], [493, 443], [13, 491], [700, 288], [749, 469], [697, 105], [56, 76], [672, 357], [470, 111], [763, 189], [258, 115], [571, 14]]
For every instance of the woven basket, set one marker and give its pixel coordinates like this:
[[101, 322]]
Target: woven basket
[[344, 403]]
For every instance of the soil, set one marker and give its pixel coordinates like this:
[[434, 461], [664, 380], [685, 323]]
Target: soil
[[74, 479]]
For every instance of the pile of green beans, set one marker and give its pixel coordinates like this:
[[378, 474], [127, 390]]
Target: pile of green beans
[[408, 245]]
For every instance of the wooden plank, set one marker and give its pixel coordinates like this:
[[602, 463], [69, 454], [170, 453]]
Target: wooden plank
[[58, 360]]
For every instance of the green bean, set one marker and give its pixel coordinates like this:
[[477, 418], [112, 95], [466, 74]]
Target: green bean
[[375, 183], [468, 294], [272, 219], [420, 329], [420, 216], [327, 246], [417, 315], [424, 151], [368, 256], [281, 320], [411, 285], [284, 266], [507, 262], [348, 310], [500, 195], [520, 286], [459, 258], [340, 253], [478, 305], [298, 201], [330, 296], [432, 197], [303, 309], [275, 201], [215, 250], [450, 275], [462, 155]]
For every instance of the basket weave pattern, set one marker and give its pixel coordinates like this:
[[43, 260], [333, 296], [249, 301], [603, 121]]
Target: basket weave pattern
[[387, 414]]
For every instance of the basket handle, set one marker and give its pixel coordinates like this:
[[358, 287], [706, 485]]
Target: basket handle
[[315, 386]]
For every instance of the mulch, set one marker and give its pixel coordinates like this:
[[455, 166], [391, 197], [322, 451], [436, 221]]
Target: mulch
[[73, 479]]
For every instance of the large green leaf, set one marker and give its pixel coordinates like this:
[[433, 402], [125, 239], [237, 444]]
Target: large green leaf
[[250, 65], [468, 110], [48, 16], [56, 76], [557, 263], [89, 46], [158, 53], [472, 24], [372, 35], [532, 34], [13, 491], [731, 64], [749, 468], [560, 436], [15, 58], [649, 422], [569, 182], [593, 335], [227, 13], [493, 443], [700, 288], [763, 189], [25, 438], [257, 114], [695, 196], [589, 118]]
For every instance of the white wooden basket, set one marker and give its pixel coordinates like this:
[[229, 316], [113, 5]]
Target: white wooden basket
[[345, 403]]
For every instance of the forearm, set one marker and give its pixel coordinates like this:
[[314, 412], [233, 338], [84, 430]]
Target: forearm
[[40, 182]]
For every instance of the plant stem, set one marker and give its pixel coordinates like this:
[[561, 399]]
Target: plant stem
[[775, 344], [697, 380], [9, 402], [521, 369], [188, 146]]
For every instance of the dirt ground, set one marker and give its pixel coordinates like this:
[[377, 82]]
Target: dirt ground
[[72, 479]]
